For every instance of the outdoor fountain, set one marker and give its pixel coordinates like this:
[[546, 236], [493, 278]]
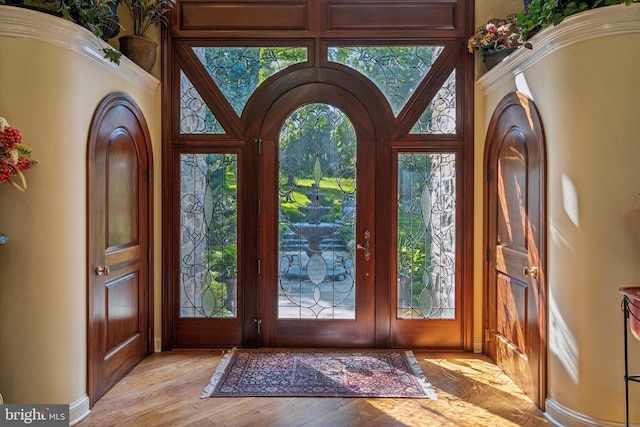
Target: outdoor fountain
[[313, 236]]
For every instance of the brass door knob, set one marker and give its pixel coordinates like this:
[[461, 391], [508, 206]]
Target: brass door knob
[[530, 271], [100, 270]]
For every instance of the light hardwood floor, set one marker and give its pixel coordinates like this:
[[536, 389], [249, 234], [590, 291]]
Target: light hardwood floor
[[164, 390]]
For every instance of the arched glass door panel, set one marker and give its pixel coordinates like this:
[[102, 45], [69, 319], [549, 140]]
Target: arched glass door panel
[[317, 194]]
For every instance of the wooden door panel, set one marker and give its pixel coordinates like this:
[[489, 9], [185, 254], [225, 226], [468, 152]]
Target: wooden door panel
[[512, 312], [515, 233], [122, 311], [119, 241], [122, 190]]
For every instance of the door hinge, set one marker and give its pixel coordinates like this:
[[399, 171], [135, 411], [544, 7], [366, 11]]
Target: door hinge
[[487, 254], [258, 266], [149, 174], [259, 207], [258, 324], [488, 334], [259, 142]]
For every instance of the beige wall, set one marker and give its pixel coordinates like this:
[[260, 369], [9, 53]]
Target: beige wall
[[50, 94], [588, 95]]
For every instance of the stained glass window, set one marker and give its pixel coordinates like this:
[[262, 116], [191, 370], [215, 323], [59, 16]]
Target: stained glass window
[[208, 235], [440, 115], [426, 228], [195, 116], [238, 71], [317, 215], [396, 70]]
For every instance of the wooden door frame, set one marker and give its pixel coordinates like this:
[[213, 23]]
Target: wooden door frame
[[361, 105], [510, 100], [319, 23], [111, 101]]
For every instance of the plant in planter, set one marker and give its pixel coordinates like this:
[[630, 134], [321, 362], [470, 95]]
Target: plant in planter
[[496, 39], [144, 13]]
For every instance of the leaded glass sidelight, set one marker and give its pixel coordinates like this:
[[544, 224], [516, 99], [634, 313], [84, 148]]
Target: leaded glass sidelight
[[317, 191], [440, 115], [396, 70], [426, 230], [195, 115], [238, 71], [208, 235]]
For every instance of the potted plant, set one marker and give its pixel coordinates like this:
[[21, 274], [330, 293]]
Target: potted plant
[[144, 13], [496, 39]]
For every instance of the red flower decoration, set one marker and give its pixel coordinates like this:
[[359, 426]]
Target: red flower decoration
[[14, 156]]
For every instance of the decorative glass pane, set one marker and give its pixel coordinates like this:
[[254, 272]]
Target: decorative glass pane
[[317, 187], [238, 71], [195, 115], [208, 235], [396, 70], [440, 115], [426, 236]]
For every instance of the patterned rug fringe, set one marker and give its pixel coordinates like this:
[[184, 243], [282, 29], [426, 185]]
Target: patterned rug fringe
[[422, 379], [219, 372]]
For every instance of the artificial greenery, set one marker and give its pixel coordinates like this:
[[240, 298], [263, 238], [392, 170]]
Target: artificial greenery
[[540, 14]]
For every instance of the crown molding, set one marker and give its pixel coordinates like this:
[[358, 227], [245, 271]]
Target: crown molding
[[29, 24], [595, 23]]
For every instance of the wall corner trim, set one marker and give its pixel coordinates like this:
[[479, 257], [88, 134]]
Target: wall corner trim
[[29, 24], [560, 415], [600, 22], [79, 410]]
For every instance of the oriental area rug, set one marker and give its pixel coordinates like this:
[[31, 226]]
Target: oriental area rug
[[279, 373]]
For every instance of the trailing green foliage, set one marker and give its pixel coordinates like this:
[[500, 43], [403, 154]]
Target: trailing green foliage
[[94, 15], [540, 14]]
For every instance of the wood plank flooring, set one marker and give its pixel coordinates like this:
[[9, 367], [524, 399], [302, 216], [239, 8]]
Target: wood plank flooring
[[164, 390]]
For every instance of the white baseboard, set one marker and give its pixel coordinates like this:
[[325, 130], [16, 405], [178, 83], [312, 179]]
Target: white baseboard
[[79, 410], [477, 345], [562, 416]]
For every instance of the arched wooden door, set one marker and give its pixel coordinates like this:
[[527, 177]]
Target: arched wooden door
[[119, 243], [317, 220], [515, 233]]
